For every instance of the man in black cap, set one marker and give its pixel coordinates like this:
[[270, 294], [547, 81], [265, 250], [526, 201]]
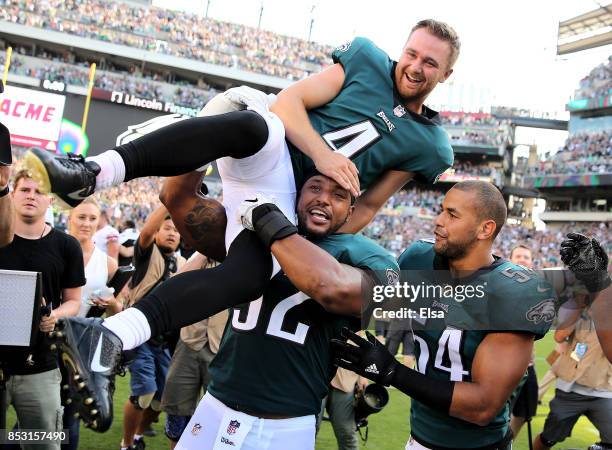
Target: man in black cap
[[6, 203]]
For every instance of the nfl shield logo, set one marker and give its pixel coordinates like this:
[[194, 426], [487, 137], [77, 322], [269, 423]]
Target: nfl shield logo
[[233, 426], [399, 111], [196, 429]]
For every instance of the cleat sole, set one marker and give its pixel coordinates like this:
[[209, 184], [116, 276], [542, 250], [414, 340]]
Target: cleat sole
[[37, 171]]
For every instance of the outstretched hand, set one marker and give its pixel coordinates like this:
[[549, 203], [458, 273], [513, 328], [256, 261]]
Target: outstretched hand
[[369, 358], [587, 259]]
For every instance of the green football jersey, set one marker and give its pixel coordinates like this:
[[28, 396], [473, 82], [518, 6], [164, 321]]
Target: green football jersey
[[367, 123], [275, 355], [504, 297]]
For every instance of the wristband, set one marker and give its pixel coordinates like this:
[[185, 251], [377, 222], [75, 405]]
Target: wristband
[[4, 192], [437, 394], [270, 224]]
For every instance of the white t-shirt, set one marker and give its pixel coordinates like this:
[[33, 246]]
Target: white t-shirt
[[103, 236]]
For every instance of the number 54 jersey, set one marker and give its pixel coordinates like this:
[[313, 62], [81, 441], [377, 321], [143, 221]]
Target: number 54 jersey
[[367, 122], [502, 297], [275, 355]]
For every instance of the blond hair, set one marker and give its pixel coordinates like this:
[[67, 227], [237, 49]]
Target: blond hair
[[444, 32]]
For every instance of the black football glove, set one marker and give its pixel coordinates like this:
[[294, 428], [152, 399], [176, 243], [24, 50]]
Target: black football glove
[[369, 358], [587, 260]]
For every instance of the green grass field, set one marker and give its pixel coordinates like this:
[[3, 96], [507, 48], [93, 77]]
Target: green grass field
[[388, 429]]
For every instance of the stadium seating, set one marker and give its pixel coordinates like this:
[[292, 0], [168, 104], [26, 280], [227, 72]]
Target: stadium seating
[[167, 32]]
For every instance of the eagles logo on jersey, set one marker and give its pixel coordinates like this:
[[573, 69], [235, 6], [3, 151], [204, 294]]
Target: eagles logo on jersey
[[545, 311], [344, 47]]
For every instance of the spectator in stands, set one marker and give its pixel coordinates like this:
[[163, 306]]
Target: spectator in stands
[[598, 83], [184, 35], [582, 153], [188, 374], [155, 261], [107, 237], [34, 387]]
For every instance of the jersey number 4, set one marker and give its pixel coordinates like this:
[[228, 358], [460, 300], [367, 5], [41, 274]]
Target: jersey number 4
[[277, 317], [450, 343], [352, 140]]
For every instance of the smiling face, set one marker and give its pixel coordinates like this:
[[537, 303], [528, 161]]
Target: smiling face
[[323, 207], [425, 62], [84, 221], [30, 204]]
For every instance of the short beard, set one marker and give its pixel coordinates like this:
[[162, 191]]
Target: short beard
[[456, 250], [165, 250]]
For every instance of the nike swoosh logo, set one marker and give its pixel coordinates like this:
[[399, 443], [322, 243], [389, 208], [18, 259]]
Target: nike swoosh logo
[[95, 362], [542, 289], [76, 195]]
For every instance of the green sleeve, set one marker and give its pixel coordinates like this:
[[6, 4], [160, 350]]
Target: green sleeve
[[429, 165], [522, 306], [355, 55], [368, 255]]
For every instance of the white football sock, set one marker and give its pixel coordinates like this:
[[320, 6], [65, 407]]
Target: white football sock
[[112, 169], [131, 326]]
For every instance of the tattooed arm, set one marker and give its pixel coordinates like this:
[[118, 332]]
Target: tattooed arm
[[200, 220]]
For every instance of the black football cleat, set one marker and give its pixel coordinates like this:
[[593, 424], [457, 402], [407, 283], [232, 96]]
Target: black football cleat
[[71, 178], [92, 357]]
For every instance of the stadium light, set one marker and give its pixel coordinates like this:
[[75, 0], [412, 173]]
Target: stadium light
[[260, 14]]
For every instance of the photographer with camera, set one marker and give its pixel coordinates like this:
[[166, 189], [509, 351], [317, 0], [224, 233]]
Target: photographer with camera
[[34, 386]]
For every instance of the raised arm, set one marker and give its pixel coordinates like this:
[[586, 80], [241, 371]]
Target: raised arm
[[150, 227], [368, 205], [291, 106]]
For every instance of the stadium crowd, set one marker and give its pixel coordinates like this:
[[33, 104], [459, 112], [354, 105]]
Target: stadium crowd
[[469, 136], [164, 31], [469, 168], [148, 86], [478, 129], [583, 153], [598, 83]]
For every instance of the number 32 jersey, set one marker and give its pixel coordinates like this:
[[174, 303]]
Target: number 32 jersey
[[503, 297], [275, 355], [367, 123]]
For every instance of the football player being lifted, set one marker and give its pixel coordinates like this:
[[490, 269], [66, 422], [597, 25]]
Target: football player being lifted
[[362, 121]]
